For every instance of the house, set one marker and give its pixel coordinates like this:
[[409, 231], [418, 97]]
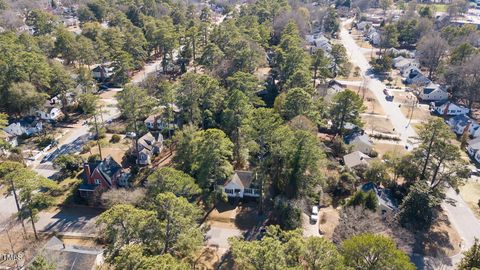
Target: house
[[148, 146], [49, 113], [98, 177], [433, 92], [415, 77], [386, 202], [405, 64], [241, 184], [454, 121], [26, 126], [373, 36], [362, 26], [330, 89], [156, 121], [71, 257], [321, 42], [469, 126], [473, 146], [450, 109], [102, 72], [360, 142], [477, 156], [356, 159]]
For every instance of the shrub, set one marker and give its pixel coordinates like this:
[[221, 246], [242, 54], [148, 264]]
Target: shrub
[[86, 148], [115, 138], [93, 158], [45, 141]]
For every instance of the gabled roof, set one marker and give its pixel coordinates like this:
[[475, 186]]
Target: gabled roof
[[108, 168], [242, 179], [70, 257], [384, 196], [355, 159]]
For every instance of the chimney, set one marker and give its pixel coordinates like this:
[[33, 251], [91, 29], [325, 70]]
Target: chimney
[[467, 127], [445, 112], [86, 169]]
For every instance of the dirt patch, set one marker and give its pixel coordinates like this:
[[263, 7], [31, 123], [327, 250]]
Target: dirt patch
[[208, 258], [328, 220], [377, 123], [17, 242], [470, 193], [383, 147], [442, 239], [108, 94], [223, 212]]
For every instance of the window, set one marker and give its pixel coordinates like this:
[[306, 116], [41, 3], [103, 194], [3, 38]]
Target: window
[[229, 191], [237, 190], [97, 181]]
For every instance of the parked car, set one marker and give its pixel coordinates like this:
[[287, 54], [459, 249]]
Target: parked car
[[475, 172], [314, 216], [130, 135]]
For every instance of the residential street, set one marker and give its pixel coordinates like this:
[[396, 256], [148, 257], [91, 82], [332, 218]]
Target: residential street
[[405, 131], [459, 214], [67, 220]]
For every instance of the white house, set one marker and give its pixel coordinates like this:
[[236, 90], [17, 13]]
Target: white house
[[451, 109], [469, 126], [148, 146], [433, 92], [240, 185], [403, 64], [414, 76], [20, 128], [49, 113], [473, 146]]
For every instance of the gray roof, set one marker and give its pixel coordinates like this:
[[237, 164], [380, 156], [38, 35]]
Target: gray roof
[[70, 257], [355, 159]]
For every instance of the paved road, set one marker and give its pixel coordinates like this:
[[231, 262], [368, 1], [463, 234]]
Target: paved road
[[463, 219], [391, 109], [459, 214]]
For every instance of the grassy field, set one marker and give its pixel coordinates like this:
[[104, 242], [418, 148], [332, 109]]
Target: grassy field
[[470, 193], [435, 7]]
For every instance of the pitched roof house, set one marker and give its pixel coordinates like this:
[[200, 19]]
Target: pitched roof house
[[102, 72], [70, 257], [148, 146], [356, 159], [450, 109], [473, 146], [433, 92], [241, 184], [386, 202], [415, 77], [98, 177], [360, 142]]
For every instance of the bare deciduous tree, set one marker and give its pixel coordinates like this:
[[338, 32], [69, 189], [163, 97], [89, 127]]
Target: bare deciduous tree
[[431, 49]]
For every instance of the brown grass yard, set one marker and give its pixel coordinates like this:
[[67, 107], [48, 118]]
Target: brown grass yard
[[470, 193]]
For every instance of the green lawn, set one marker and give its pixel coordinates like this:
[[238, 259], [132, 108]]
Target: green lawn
[[436, 7]]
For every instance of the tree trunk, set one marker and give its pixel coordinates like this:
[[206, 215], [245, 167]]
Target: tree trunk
[[424, 170], [98, 136], [14, 191], [33, 223]]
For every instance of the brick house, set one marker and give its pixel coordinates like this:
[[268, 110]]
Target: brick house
[[98, 177]]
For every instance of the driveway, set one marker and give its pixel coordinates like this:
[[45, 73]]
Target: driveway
[[74, 220], [405, 131], [309, 228]]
